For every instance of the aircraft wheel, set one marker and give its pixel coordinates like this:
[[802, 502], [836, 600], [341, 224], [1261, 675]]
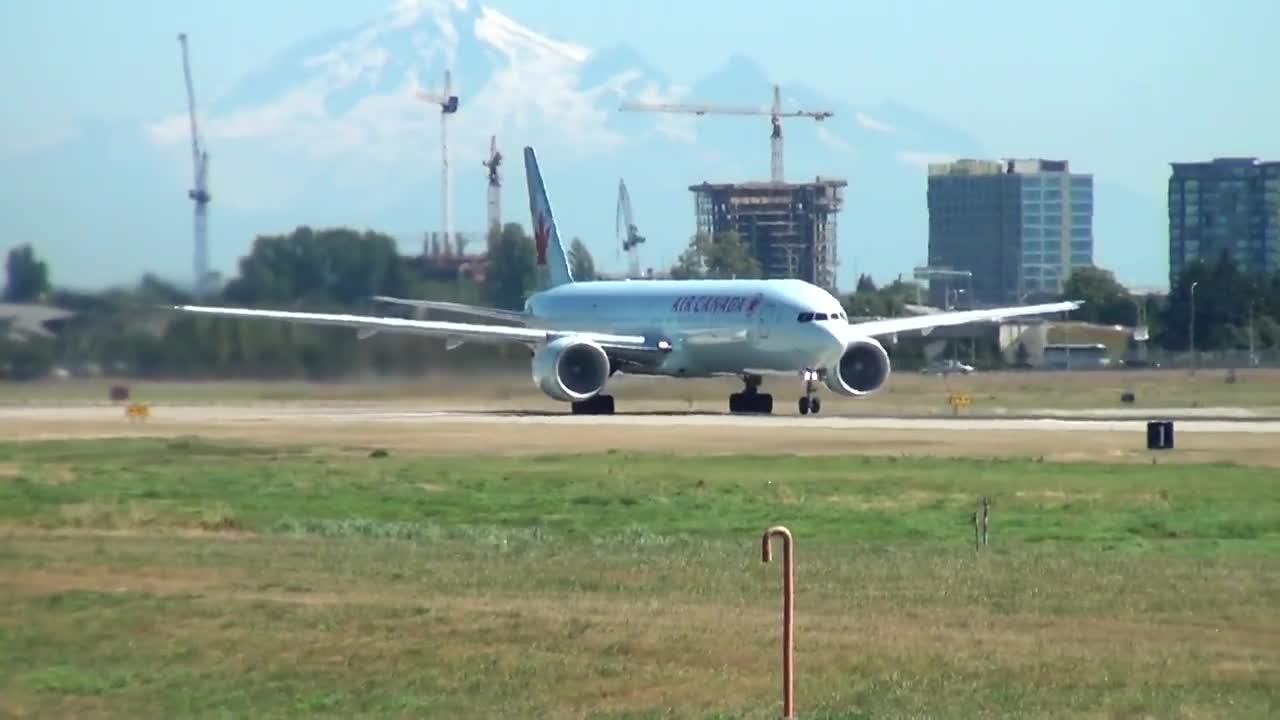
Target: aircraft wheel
[[736, 403], [763, 404], [815, 405], [804, 406], [598, 405]]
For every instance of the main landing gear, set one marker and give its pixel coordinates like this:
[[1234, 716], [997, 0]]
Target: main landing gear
[[810, 402], [594, 405], [750, 400]]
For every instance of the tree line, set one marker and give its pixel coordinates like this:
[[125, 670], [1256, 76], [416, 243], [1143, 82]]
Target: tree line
[[129, 331]]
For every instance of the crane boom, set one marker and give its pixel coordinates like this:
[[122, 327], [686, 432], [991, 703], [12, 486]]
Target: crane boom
[[775, 114], [720, 110]]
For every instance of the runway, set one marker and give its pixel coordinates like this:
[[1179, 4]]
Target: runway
[[364, 413]]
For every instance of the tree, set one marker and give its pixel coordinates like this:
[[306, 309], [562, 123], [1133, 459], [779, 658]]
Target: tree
[[1105, 300], [27, 277], [888, 301], [865, 284], [581, 264], [512, 272], [331, 266], [1223, 298], [27, 359], [723, 256]]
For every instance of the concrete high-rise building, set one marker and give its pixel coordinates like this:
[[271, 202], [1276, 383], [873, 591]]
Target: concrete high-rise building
[[1229, 205], [789, 227], [1019, 226]]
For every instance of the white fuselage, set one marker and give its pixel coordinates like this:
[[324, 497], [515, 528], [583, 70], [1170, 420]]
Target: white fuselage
[[714, 326]]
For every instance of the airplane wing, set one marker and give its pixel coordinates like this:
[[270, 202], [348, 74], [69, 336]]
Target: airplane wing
[[455, 333], [460, 308], [927, 323]]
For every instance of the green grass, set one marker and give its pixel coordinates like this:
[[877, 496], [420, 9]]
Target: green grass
[[194, 483], [184, 578]]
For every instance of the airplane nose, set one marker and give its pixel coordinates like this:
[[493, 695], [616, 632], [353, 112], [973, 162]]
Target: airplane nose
[[835, 342]]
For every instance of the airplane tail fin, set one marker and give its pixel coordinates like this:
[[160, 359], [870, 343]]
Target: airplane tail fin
[[552, 261]]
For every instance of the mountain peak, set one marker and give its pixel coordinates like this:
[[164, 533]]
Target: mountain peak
[[329, 133], [739, 81]]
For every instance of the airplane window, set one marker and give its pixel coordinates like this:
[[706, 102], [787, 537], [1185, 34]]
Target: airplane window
[[804, 317], [819, 316]]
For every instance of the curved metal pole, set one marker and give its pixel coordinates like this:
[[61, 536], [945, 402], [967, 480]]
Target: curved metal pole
[[788, 612]]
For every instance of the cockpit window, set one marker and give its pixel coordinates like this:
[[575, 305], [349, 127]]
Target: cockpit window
[[819, 316], [805, 317]]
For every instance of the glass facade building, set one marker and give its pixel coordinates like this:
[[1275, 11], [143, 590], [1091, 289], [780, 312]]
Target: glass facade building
[[1019, 226], [1225, 206]]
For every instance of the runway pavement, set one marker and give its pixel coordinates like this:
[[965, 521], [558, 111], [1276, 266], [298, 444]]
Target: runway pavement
[[366, 413]]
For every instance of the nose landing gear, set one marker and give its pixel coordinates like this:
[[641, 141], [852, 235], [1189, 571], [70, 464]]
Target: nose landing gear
[[810, 402]]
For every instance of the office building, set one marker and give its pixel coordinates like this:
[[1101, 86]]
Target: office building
[[1226, 205], [1018, 226]]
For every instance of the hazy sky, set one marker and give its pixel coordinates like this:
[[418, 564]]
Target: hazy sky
[[1118, 88]]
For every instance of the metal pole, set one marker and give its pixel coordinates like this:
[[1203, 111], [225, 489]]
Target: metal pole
[[1192, 331], [788, 613], [1066, 335], [1250, 333]]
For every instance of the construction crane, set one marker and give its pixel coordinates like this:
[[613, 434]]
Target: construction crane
[[448, 103], [495, 185], [775, 114], [628, 234], [199, 192]]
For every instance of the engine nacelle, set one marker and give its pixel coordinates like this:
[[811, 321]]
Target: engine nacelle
[[569, 369], [862, 369]]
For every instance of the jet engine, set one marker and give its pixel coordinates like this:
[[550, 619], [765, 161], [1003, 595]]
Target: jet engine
[[570, 369], [862, 369]]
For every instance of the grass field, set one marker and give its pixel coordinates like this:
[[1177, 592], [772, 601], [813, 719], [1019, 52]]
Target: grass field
[[905, 392], [187, 578]]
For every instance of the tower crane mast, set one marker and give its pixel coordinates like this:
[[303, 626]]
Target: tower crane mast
[[199, 192], [495, 185], [448, 103], [629, 236], [775, 113]]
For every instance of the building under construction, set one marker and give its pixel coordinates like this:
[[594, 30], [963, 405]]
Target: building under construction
[[789, 227]]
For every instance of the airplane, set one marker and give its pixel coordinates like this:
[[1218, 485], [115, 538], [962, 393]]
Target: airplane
[[580, 334]]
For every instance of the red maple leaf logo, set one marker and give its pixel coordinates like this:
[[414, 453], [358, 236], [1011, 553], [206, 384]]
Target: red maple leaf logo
[[540, 236]]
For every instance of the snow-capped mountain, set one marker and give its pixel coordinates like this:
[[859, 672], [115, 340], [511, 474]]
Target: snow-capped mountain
[[330, 132]]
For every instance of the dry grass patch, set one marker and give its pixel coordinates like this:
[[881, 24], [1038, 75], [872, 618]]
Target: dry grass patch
[[584, 654]]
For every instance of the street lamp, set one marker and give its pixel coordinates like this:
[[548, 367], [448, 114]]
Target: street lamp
[[1192, 332], [1253, 359]]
